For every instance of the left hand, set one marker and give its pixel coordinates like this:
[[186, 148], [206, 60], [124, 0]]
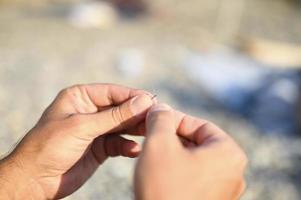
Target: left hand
[[76, 134]]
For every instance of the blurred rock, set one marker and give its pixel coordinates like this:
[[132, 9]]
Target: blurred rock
[[299, 111], [275, 106], [131, 8], [37, 3], [274, 53], [93, 15], [130, 63], [228, 76], [265, 96]]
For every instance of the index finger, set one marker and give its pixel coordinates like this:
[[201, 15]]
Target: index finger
[[90, 98], [196, 130], [103, 95]]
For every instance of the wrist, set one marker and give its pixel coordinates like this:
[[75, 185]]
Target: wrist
[[15, 183]]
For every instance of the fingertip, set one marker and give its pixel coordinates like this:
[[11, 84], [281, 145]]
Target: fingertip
[[159, 107], [141, 129], [135, 151], [131, 149], [159, 110], [150, 94], [160, 122], [141, 103]]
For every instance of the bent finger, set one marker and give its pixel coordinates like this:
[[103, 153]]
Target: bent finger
[[117, 118], [161, 127], [116, 145], [197, 130], [89, 98]]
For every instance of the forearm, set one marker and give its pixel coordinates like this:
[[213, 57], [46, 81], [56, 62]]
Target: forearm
[[15, 184]]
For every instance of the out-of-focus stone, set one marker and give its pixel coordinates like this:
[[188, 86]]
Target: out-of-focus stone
[[274, 53], [130, 63], [93, 15], [131, 8]]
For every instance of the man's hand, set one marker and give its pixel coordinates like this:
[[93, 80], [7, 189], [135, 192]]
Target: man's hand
[[77, 133], [187, 158]]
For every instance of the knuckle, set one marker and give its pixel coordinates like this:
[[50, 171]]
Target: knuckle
[[65, 92], [76, 122], [112, 148], [241, 187], [244, 160], [238, 187], [70, 91], [241, 158], [234, 154], [75, 86], [210, 127], [207, 124], [117, 115]]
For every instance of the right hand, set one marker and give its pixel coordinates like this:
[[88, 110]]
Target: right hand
[[187, 158]]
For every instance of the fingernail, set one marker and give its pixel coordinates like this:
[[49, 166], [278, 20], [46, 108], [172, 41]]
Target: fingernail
[[152, 96], [149, 93], [140, 103], [159, 107], [136, 149]]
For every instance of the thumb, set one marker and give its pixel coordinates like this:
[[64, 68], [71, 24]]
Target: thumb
[[161, 126], [116, 118]]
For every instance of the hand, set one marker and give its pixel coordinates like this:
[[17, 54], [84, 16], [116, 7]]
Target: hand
[[77, 133], [187, 158]]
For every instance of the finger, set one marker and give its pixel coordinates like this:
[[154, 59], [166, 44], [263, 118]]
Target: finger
[[187, 143], [116, 145], [161, 126], [241, 189], [207, 137], [98, 150], [89, 99], [118, 118], [197, 130], [208, 134], [137, 130], [140, 130], [112, 94]]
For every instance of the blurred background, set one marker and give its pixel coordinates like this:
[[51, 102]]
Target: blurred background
[[235, 62]]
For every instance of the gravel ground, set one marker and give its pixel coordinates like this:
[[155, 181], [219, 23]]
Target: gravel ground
[[41, 53]]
